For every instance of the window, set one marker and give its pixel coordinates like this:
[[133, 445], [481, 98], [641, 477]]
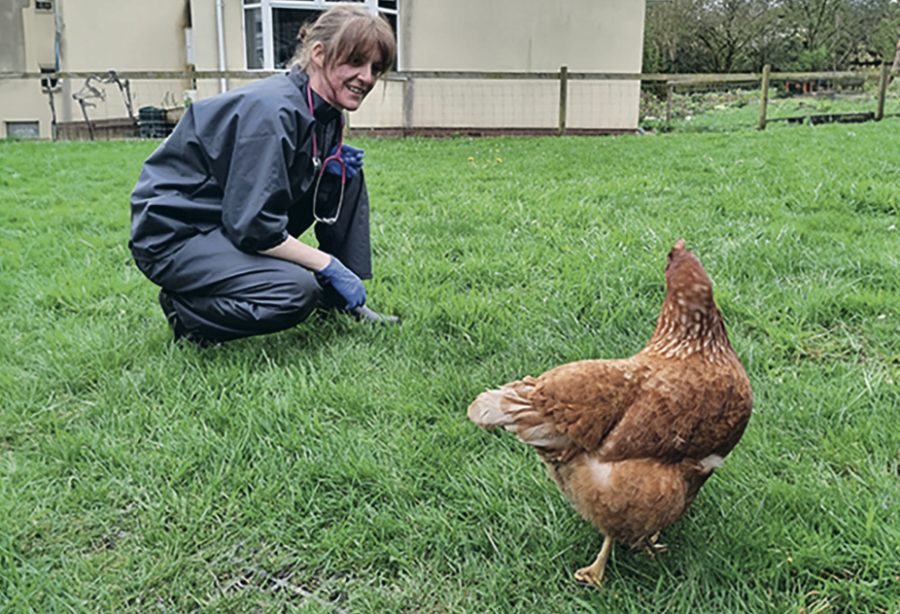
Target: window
[[49, 83], [23, 130], [253, 38], [285, 25], [271, 26]]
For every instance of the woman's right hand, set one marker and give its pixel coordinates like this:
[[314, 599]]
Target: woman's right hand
[[345, 282]]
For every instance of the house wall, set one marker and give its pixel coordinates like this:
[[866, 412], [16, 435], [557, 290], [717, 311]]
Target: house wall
[[511, 35], [123, 35], [12, 41], [206, 42], [26, 43], [467, 35], [111, 34]]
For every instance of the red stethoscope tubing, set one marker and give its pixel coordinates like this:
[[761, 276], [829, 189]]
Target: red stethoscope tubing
[[321, 164], [336, 156]]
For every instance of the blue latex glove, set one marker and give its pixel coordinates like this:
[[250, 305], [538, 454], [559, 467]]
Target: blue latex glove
[[352, 157], [345, 282]]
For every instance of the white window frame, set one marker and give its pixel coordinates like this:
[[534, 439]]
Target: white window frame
[[266, 7]]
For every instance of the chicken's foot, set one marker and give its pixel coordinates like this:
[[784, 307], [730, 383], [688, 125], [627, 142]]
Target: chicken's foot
[[593, 574], [652, 547]]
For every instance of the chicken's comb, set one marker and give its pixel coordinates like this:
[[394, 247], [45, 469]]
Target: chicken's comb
[[679, 244]]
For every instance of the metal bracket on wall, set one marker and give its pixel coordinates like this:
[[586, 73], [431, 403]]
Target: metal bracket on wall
[[89, 92]]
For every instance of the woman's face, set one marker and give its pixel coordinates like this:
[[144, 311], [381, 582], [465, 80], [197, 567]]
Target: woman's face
[[346, 84]]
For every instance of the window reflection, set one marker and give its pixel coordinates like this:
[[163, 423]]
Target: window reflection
[[286, 20]]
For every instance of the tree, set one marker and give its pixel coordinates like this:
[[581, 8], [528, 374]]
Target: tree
[[826, 34], [744, 35], [710, 35], [729, 29], [896, 65], [885, 38], [669, 28]]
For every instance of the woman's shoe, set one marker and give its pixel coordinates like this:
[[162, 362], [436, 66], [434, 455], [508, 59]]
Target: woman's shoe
[[364, 314]]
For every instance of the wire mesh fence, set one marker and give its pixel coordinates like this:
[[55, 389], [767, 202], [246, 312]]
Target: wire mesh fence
[[92, 105]]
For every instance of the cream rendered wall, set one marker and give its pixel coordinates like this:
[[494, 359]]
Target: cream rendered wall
[[206, 45], [39, 26], [494, 35], [12, 35], [97, 36], [122, 35], [511, 35], [585, 35], [382, 108], [23, 100]]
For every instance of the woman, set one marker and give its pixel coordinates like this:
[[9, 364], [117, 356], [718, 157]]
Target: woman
[[217, 207]]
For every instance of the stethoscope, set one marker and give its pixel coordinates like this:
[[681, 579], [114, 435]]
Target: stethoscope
[[319, 165]]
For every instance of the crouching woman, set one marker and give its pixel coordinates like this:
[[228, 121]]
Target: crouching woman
[[218, 207]]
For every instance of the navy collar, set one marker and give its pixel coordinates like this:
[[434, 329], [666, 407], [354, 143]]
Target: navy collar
[[323, 111]]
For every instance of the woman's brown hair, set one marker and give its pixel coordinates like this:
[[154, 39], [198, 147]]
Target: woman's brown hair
[[348, 32]]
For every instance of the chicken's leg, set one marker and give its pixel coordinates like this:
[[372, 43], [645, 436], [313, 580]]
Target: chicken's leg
[[593, 574]]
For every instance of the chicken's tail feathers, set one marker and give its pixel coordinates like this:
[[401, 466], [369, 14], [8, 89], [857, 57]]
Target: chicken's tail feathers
[[499, 407], [510, 407]]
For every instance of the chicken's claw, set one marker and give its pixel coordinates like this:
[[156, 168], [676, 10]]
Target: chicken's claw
[[590, 575], [593, 573], [652, 547]]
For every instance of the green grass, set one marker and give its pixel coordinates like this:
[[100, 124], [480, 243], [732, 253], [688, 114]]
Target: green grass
[[739, 109], [332, 468]]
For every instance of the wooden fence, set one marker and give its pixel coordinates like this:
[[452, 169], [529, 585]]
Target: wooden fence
[[408, 79]]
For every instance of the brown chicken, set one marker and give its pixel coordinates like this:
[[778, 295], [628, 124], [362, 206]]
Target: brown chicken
[[631, 441]]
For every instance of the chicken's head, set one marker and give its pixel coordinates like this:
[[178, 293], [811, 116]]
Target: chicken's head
[[689, 322], [687, 282]]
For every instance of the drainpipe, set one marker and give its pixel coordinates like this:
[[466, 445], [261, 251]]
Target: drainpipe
[[220, 36], [57, 36], [57, 52]]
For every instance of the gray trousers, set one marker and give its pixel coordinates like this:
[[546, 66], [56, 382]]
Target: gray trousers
[[221, 293]]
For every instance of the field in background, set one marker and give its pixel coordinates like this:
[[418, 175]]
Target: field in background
[[720, 108], [331, 467]]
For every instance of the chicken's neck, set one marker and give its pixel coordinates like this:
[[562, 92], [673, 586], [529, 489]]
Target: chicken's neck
[[684, 331]]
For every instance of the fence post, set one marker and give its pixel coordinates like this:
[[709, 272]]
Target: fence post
[[670, 93], [563, 97], [408, 93], [882, 90], [764, 97]]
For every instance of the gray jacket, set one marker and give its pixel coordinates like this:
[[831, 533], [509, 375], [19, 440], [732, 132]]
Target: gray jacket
[[241, 161]]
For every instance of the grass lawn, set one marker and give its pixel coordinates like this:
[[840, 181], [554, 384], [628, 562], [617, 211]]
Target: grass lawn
[[332, 468], [739, 109]]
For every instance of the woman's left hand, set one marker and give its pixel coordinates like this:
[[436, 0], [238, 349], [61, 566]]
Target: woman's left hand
[[352, 158]]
